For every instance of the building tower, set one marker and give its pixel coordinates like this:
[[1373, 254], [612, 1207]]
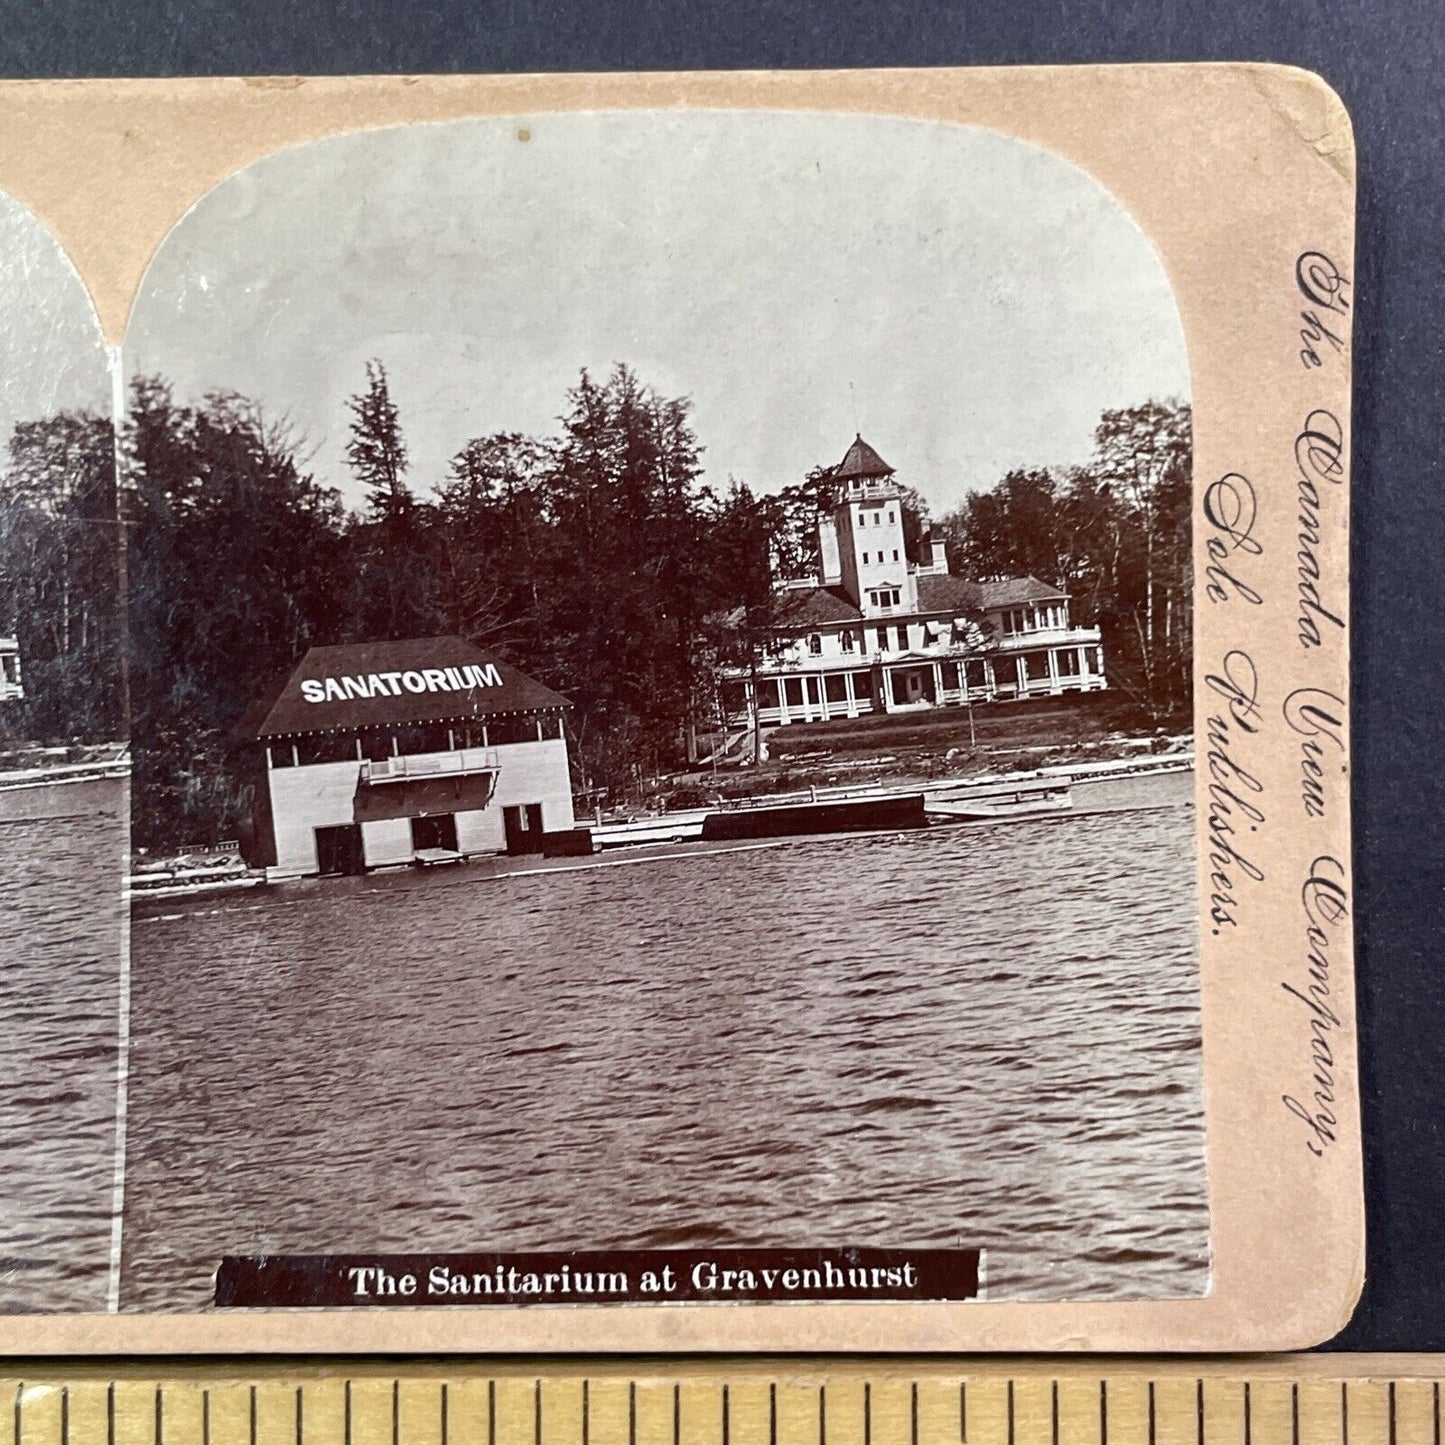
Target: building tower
[[862, 537]]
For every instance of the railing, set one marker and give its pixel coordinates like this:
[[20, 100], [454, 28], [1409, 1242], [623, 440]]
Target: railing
[[430, 765], [1036, 636]]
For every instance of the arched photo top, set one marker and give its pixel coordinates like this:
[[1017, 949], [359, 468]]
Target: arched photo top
[[971, 301], [53, 357]]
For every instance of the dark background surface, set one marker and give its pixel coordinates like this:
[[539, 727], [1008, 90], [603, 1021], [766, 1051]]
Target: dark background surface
[[1384, 59]]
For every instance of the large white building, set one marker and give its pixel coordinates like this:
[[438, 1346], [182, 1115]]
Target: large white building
[[878, 633], [376, 754]]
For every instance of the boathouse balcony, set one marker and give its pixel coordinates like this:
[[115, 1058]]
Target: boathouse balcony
[[410, 766]]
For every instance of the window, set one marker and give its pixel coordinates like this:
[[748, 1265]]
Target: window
[[865, 559], [815, 645], [882, 639], [884, 596], [850, 640], [890, 519], [895, 554], [863, 686], [974, 673], [1038, 666], [836, 686], [950, 676], [903, 639]]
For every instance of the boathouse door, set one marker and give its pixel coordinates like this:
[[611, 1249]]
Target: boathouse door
[[439, 830], [523, 825], [340, 850]]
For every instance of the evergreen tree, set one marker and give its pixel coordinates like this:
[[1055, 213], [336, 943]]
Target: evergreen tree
[[232, 568], [376, 449]]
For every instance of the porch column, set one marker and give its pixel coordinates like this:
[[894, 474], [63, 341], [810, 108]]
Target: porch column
[[938, 683], [782, 686]]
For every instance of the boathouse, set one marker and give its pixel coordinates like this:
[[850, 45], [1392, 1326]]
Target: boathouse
[[385, 753], [875, 630]]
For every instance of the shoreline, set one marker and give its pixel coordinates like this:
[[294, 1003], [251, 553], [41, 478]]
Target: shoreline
[[24, 779], [498, 867]]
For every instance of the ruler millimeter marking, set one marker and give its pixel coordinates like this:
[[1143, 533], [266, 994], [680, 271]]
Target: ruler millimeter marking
[[747, 1403]]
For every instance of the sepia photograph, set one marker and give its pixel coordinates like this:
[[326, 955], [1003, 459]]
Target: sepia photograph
[[64, 824], [641, 667], [660, 668]]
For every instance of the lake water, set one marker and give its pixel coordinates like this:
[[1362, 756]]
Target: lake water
[[62, 859], [980, 1035]]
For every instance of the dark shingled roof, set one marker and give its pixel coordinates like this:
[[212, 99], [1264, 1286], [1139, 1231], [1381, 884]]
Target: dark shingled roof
[[860, 460], [956, 594], [805, 607], [802, 608], [284, 709]]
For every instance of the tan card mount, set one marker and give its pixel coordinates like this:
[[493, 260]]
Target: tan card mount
[[677, 712]]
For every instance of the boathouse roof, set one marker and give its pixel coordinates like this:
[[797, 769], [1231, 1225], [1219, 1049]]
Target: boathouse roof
[[381, 684]]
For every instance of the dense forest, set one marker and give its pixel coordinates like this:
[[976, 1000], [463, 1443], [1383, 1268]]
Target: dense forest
[[598, 559]]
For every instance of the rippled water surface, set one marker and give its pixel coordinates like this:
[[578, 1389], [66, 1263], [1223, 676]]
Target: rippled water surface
[[62, 852], [981, 1035]]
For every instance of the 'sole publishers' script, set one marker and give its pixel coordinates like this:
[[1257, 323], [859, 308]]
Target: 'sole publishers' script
[[1247, 714]]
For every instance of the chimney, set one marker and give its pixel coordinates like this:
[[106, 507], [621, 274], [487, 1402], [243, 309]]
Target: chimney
[[940, 553], [828, 549]]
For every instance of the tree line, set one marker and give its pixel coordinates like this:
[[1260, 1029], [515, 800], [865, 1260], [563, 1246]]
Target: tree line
[[598, 559], [1116, 536]]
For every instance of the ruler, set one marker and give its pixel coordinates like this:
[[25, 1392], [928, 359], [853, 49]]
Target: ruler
[[1282, 1400]]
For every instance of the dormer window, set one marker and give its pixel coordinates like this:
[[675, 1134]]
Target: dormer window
[[815, 645], [884, 596]]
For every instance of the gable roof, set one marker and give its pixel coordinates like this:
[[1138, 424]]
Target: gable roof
[[804, 607], [860, 460], [956, 594], [423, 679], [1011, 591]]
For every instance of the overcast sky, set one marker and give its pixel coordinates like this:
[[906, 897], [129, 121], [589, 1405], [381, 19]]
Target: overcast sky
[[52, 355], [969, 302]]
